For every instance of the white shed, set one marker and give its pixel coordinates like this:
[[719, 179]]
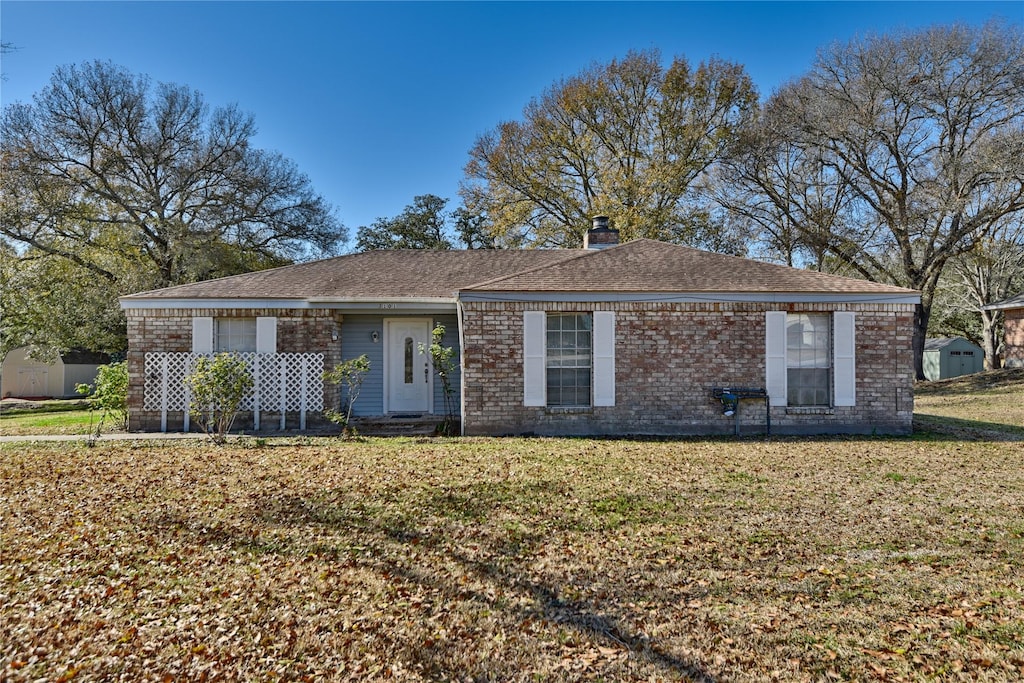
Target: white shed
[[24, 377], [951, 357]]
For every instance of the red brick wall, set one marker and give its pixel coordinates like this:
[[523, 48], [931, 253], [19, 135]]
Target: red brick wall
[[170, 330], [1013, 352], [669, 357]]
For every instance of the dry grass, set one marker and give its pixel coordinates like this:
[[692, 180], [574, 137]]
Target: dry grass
[[514, 560], [986, 403]]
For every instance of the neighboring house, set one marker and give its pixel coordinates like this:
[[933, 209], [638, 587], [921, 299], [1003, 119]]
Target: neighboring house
[[951, 357], [1013, 330], [612, 339], [24, 377]]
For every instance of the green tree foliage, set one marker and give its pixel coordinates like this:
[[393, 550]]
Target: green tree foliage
[[218, 384], [918, 139], [443, 360], [53, 305], [624, 139], [474, 229], [348, 375], [421, 225], [109, 394], [143, 186]]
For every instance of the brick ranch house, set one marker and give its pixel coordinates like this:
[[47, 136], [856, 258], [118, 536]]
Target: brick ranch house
[[640, 338], [1013, 329]]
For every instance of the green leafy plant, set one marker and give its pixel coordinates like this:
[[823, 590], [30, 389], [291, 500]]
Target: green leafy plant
[[218, 384], [109, 394], [350, 375], [442, 358]]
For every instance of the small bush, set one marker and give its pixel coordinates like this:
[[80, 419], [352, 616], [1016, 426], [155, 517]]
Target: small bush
[[350, 375], [219, 384], [109, 394], [441, 357]]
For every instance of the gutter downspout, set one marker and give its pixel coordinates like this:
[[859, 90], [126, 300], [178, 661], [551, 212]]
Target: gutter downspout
[[462, 368]]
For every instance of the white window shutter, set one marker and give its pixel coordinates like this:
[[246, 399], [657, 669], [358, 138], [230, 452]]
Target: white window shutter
[[604, 358], [844, 361], [775, 356], [202, 335], [266, 335], [534, 345]]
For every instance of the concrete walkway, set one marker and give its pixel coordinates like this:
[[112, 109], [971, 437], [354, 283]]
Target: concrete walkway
[[370, 428], [114, 436]]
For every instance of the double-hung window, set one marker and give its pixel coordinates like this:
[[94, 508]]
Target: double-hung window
[[569, 359], [808, 359], [230, 334], [235, 334]]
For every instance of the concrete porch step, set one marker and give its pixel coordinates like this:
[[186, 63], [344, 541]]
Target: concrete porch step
[[397, 425]]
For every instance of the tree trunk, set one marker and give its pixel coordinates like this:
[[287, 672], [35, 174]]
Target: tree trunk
[[922, 314], [990, 339]]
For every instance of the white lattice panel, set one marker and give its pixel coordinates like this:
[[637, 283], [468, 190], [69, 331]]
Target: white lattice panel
[[165, 387], [297, 377]]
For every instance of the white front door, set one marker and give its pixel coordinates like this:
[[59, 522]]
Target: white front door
[[407, 368]]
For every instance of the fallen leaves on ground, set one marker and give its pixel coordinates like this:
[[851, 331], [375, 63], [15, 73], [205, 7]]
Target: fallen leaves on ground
[[513, 560]]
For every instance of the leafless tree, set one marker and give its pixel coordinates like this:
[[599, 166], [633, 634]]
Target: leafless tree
[[991, 272], [925, 131], [796, 207], [102, 164]]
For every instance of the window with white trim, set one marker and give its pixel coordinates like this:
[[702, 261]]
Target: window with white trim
[[808, 359], [811, 359], [569, 359], [234, 334]]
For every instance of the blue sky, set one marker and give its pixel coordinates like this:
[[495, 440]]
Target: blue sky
[[378, 102]]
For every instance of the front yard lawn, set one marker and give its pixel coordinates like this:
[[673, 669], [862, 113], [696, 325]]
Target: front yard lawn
[[513, 560], [989, 404], [18, 417]]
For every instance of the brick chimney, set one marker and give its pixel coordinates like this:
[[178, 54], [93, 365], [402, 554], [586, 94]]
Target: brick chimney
[[600, 236]]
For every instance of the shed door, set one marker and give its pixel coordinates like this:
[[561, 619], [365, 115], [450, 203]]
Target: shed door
[[966, 366], [33, 381], [409, 378]]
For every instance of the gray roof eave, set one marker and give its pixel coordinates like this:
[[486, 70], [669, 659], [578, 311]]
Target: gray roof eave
[[1012, 302], [697, 297], [357, 303]]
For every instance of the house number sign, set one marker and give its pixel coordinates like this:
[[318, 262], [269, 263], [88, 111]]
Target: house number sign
[[389, 307]]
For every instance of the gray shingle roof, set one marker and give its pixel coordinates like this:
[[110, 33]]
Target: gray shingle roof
[[638, 266], [651, 266], [396, 273], [939, 343], [1012, 302]]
